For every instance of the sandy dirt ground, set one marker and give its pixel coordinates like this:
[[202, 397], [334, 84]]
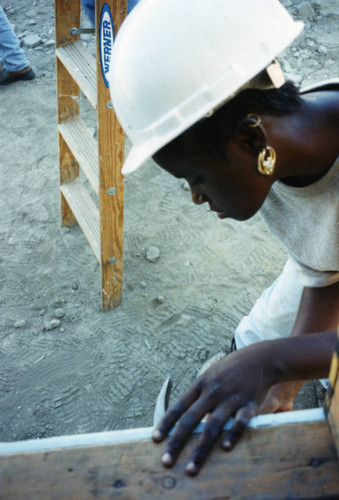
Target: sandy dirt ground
[[65, 366]]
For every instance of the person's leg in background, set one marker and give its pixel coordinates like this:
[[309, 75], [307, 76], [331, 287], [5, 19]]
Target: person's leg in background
[[15, 64], [274, 313], [89, 9], [272, 316]]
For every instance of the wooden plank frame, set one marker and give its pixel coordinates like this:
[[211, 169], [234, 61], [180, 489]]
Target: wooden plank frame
[[332, 399], [275, 462], [281, 456]]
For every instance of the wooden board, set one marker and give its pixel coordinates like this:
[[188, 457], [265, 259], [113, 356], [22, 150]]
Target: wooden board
[[111, 151], [291, 461], [333, 397]]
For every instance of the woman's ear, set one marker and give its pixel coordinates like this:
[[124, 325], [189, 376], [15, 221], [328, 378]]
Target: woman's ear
[[251, 134]]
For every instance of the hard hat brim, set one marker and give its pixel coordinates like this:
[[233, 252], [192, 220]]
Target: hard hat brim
[[136, 157]]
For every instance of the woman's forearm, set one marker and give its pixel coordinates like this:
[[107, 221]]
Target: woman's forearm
[[304, 357], [318, 310]]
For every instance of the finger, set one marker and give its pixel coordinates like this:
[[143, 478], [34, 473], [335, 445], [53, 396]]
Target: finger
[[186, 425], [175, 412], [243, 416], [270, 403], [273, 404], [212, 429]]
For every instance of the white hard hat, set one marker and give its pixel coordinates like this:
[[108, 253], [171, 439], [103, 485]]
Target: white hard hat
[[174, 61]]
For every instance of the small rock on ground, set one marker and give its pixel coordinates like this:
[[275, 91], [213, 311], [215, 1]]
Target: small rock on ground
[[152, 254], [20, 323], [306, 10], [32, 41]]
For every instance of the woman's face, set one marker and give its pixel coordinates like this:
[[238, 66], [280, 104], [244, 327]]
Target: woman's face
[[233, 188]]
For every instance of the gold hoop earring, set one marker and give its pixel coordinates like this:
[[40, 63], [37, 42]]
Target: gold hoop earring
[[256, 118], [266, 160]]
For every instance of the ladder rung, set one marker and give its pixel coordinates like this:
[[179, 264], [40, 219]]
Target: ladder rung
[[84, 147], [85, 212], [80, 63]]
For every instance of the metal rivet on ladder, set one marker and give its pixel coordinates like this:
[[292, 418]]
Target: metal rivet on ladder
[[111, 191], [112, 260], [110, 105], [81, 31]]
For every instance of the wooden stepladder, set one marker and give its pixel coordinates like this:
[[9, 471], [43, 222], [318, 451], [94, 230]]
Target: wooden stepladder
[[297, 457], [100, 160]]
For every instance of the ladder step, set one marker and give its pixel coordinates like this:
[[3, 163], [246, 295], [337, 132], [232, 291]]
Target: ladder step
[[84, 147], [80, 63], [85, 212]]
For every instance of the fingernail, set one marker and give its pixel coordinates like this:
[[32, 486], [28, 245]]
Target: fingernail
[[191, 468], [167, 459], [157, 434]]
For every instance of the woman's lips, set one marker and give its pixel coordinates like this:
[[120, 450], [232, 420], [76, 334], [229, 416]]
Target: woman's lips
[[220, 213]]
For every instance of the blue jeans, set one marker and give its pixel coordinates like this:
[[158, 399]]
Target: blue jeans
[[12, 56], [89, 8]]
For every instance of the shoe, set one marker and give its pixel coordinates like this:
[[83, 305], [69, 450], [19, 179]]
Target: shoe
[[220, 355], [7, 77], [233, 345]]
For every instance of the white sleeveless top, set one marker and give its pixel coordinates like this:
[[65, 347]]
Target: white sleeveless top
[[306, 221]]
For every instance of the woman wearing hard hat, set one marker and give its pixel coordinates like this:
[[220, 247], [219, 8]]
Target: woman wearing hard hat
[[194, 87]]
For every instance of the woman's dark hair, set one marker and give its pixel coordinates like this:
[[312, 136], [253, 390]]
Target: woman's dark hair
[[210, 135]]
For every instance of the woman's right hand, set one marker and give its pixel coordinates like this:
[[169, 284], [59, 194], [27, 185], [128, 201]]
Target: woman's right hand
[[235, 386]]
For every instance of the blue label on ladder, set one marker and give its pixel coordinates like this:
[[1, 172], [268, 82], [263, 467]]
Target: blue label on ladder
[[106, 41]]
